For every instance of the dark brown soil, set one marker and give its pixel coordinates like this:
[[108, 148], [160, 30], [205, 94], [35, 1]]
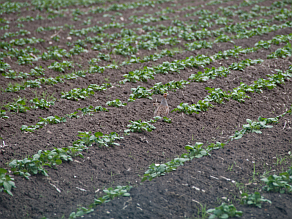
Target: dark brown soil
[[173, 195]]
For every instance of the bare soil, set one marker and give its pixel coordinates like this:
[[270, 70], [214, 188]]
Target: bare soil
[[173, 195]]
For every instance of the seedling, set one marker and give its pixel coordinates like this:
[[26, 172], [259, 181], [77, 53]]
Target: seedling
[[6, 182], [116, 103], [224, 211], [253, 199], [139, 126]]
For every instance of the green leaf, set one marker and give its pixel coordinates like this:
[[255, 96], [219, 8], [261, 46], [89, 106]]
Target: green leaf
[[98, 134], [58, 161]]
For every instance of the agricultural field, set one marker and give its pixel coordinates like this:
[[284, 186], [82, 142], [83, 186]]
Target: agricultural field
[[80, 81]]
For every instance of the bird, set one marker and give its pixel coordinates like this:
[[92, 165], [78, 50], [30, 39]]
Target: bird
[[162, 110]]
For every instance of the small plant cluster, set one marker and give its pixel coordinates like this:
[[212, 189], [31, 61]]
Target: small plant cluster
[[6, 182], [13, 34], [224, 211], [111, 193], [43, 122], [245, 63], [140, 92], [254, 199], [281, 183], [160, 88], [284, 52], [239, 93], [139, 126], [209, 74], [82, 93], [36, 163], [19, 104], [194, 151], [116, 103], [61, 66], [87, 110], [152, 57], [56, 119], [98, 138], [166, 67], [3, 114], [254, 126], [48, 81]]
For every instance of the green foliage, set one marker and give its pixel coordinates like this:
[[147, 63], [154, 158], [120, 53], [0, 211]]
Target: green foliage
[[140, 92], [61, 66], [42, 103], [4, 66], [99, 138], [6, 182], [254, 199], [254, 126], [112, 193], [108, 140], [3, 114], [116, 103], [209, 74], [281, 183], [202, 105], [34, 165], [104, 57], [77, 93], [243, 64], [284, 52], [197, 45], [28, 166], [216, 95], [156, 170], [139, 126], [139, 75], [159, 88], [43, 122], [224, 211], [196, 151], [18, 106]]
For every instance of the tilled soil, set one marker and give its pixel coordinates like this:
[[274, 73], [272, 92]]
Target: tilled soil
[[207, 181]]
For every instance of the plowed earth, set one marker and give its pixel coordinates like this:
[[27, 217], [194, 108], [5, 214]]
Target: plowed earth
[[173, 195]]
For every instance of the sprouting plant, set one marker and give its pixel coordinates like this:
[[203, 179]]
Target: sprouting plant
[[254, 199], [87, 110], [104, 57], [3, 114], [6, 182], [107, 140], [77, 93], [140, 92], [281, 183], [27, 166], [281, 52], [42, 103], [224, 211], [18, 106], [116, 103], [139, 126], [196, 151], [61, 66]]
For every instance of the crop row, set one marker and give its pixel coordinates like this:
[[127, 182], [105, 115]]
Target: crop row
[[99, 29], [239, 93], [52, 158], [19, 105]]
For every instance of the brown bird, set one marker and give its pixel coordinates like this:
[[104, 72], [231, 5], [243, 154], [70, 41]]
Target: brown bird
[[162, 110]]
